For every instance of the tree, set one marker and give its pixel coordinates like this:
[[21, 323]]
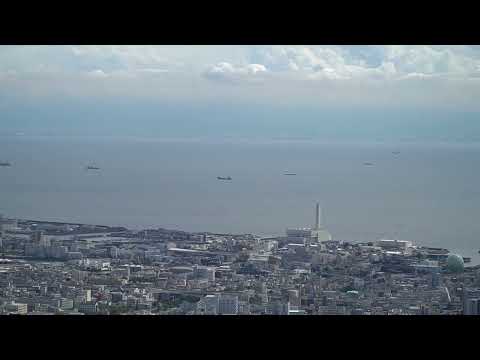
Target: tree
[[118, 309], [256, 299]]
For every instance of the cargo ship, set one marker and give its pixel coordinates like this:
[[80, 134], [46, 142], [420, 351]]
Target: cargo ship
[[5, 163], [224, 178]]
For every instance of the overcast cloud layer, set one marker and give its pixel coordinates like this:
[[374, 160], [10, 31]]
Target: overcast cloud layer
[[333, 62], [302, 73]]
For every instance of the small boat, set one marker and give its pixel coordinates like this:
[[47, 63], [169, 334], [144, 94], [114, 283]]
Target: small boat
[[368, 164], [5, 163], [224, 178], [93, 168], [289, 174], [395, 152]]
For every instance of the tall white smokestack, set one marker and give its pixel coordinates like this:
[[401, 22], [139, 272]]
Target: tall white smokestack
[[317, 217]]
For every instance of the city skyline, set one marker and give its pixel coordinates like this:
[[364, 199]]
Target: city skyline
[[106, 271]]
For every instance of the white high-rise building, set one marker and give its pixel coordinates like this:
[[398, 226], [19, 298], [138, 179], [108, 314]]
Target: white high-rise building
[[471, 301], [65, 304], [36, 236], [294, 298], [204, 272], [86, 295], [17, 308], [88, 308], [228, 305], [113, 252], [218, 305], [210, 305], [471, 307]]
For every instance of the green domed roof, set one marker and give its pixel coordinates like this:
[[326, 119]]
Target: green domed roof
[[455, 263]]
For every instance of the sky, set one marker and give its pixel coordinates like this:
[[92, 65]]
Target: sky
[[347, 92]]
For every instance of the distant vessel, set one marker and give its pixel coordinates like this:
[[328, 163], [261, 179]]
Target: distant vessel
[[93, 168], [289, 173], [368, 164], [224, 178], [5, 163], [395, 152]]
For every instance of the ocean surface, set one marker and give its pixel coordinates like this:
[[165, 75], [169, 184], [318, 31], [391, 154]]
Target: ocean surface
[[428, 193]]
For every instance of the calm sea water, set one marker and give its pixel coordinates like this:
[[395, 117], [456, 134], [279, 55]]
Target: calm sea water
[[427, 193]]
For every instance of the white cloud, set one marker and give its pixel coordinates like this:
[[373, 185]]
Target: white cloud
[[227, 72], [370, 62], [317, 62], [255, 68], [190, 59], [122, 55], [97, 74], [297, 74], [153, 71], [449, 61]]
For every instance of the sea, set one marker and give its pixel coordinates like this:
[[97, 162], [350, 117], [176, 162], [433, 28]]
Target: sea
[[424, 192]]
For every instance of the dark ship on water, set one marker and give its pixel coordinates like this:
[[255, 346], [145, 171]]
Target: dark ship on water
[[5, 163], [224, 178]]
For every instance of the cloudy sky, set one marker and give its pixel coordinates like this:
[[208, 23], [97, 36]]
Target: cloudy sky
[[246, 90]]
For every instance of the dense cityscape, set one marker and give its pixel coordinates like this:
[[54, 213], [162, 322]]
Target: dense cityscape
[[51, 268]]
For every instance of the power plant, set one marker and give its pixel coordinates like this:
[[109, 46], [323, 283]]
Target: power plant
[[309, 235]]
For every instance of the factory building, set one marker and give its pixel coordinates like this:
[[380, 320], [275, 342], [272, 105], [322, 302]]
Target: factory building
[[309, 235]]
